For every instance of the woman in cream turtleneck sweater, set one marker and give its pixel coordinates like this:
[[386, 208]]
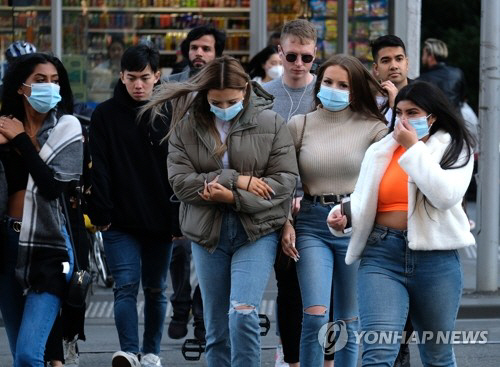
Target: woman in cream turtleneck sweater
[[331, 143]]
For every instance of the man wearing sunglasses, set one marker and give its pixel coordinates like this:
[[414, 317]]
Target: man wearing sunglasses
[[293, 95], [293, 92]]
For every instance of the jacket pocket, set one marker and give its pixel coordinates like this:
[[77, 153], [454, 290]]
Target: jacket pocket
[[197, 222]]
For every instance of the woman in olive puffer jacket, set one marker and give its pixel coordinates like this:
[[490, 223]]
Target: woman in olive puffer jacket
[[232, 164]]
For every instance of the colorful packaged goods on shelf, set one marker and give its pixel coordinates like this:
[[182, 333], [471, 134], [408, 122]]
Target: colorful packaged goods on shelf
[[160, 3]]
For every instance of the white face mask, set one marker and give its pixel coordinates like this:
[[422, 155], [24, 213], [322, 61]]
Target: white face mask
[[275, 71], [381, 100]]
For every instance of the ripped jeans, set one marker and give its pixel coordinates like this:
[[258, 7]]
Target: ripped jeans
[[322, 260], [232, 282], [133, 259]]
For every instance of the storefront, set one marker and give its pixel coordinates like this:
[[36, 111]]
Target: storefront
[[95, 32]]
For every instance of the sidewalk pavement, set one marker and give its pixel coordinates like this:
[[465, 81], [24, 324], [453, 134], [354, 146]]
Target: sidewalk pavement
[[476, 305]]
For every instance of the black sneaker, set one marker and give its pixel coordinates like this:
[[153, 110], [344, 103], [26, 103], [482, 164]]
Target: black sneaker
[[199, 331], [178, 328]]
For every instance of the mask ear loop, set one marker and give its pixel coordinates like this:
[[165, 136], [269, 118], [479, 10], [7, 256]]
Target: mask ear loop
[[29, 86]]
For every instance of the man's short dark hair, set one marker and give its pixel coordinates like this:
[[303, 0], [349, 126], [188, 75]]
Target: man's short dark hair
[[137, 58], [389, 40], [204, 30]]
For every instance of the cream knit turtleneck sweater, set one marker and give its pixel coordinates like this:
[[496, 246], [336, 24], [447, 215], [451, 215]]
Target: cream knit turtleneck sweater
[[333, 148]]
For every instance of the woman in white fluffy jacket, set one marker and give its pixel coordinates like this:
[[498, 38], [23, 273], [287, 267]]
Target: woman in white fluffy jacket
[[407, 224]]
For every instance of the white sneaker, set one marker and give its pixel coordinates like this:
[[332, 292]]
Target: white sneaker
[[150, 360], [279, 357], [125, 359], [71, 354]]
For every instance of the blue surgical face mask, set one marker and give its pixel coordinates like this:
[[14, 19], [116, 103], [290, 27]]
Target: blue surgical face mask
[[44, 96], [419, 124], [333, 99], [226, 114]]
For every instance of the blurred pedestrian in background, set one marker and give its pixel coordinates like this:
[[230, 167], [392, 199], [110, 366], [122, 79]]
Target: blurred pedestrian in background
[[266, 65]]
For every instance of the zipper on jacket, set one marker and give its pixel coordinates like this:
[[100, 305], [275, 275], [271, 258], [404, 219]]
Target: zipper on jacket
[[230, 133], [210, 149]]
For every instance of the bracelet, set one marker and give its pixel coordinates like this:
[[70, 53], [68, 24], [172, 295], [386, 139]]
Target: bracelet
[[248, 186]]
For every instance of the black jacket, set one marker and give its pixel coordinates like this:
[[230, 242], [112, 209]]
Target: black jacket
[[129, 178], [449, 79]]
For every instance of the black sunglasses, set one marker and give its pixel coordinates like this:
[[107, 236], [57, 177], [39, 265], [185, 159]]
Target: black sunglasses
[[292, 57]]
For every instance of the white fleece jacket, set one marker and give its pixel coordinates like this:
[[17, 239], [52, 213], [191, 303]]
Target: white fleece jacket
[[440, 226]]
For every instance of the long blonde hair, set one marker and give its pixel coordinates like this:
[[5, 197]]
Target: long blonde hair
[[221, 73]]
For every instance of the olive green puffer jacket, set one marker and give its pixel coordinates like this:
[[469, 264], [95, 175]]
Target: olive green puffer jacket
[[259, 144]]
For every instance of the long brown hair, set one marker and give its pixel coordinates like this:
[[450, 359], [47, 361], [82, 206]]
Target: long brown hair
[[362, 85], [222, 73]]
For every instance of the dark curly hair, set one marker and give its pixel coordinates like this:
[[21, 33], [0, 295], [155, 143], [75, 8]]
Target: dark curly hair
[[17, 74]]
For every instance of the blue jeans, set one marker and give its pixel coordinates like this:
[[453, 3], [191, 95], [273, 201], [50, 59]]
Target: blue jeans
[[393, 279], [322, 258], [235, 274], [28, 320], [132, 259]]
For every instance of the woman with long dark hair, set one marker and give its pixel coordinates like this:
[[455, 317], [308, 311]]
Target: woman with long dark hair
[[407, 224], [265, 65], [42, 153], [232, 165]]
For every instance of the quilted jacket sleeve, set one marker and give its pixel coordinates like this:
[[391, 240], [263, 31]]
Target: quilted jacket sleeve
[[281, 173], [182, 175]]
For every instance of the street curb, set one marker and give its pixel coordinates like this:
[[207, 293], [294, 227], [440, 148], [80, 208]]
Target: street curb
[[479, 305]]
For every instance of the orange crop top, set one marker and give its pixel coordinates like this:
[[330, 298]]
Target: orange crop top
[[393, 188]]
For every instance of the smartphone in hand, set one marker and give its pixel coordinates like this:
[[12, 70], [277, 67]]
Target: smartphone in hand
[[345, 209]]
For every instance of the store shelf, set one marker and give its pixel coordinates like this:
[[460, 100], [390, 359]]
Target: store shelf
[[151, 31], [155, 10], [24, 8]]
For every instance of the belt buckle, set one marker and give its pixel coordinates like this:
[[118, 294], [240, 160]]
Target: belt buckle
[[16, 226], [323, 202]]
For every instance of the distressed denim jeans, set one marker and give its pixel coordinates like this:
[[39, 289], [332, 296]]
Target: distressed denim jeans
[[235, 275], [322, 261]]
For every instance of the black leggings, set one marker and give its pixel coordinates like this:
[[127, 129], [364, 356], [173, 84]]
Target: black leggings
[[290, 312]]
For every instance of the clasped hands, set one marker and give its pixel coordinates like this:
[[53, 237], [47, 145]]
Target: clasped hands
[[214, 191]]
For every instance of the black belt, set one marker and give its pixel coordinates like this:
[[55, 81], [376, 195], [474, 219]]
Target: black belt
[[13, 224], [327, 199]]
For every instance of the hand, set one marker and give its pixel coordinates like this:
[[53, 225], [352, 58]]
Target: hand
[[296, 205], [405, 134], [257, 186], [10, 127], [220, 193], [214, 191], [288, 241], [174, 238], [206, 192], [392, 91], [102, 228], [337, 221]]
